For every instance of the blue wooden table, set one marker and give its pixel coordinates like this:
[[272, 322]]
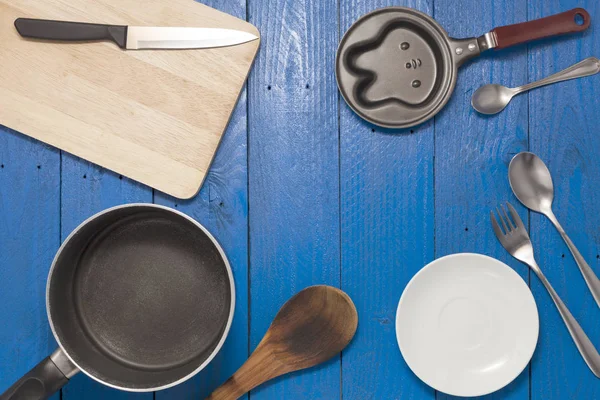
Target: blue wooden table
[[304, 192]]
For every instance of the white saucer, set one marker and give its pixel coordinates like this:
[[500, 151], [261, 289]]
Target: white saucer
[[467, 324]]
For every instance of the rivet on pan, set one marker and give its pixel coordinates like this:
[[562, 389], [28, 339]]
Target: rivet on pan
[[459, 50], [416, 83], [404, 46], [408, 65], [471, 46]]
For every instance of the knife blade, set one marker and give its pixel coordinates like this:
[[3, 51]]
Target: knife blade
[[132, 37], [141, 37]]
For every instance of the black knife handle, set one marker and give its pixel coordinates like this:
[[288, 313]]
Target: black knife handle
[[71, 31]]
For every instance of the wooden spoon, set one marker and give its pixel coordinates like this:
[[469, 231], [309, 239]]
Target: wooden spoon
[[312, 327]]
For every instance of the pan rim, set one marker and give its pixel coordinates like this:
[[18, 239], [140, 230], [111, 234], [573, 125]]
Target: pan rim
[[224, 336], [445, 47]]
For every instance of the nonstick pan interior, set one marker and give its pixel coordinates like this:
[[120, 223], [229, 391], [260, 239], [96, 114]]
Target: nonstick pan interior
[[395, 67], [140, 298]]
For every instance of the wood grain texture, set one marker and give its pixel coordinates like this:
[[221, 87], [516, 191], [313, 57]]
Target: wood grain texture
[[29, 238], [387, 236], [293, 173], [309, 329], [472, 152], [222, 207], [364, 202], [154, 116], [564, 120]]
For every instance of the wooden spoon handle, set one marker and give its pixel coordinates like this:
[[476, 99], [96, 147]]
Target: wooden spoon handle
[[259, 368], [230, 390]]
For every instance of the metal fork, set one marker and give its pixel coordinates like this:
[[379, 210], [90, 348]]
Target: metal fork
[[515, 239]]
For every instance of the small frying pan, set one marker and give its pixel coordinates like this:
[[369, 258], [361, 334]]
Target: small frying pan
[[397, 67], [139, 298]]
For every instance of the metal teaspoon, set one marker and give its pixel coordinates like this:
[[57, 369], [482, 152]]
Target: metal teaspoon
[[491, 99], [531, 182]]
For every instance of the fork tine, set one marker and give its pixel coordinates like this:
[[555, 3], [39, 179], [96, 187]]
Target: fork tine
[[515, 216], [497, 230], [508, 220], [502, 220], [516, 239]]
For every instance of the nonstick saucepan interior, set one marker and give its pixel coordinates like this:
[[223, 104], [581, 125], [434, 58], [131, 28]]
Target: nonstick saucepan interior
[[139, 298], [397, 67]]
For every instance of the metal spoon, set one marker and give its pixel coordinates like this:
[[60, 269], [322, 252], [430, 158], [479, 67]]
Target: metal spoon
[[531, 182], [491, 99]]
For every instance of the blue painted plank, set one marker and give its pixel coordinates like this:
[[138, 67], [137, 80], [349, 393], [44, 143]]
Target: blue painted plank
[[29, 238], [307, 219], [473, 151], [86, 190], [387, 235], [222, 207], [293, 173], [564, 120]]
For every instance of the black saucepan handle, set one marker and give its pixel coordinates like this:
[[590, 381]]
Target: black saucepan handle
[[41, 382], [71, 31]]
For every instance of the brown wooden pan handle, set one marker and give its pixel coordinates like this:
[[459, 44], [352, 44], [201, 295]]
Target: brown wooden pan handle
[[554, 25]]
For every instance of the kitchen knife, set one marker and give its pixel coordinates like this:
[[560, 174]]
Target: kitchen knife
[[132, 37]]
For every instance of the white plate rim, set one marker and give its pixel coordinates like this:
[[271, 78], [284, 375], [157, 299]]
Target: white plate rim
[[499, 264]]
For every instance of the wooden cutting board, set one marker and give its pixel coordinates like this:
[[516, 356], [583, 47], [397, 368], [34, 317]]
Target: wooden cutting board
[[156, 116]]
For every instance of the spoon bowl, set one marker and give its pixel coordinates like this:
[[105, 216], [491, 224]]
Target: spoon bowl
[[531, 182], [312, 327], [491, 99]]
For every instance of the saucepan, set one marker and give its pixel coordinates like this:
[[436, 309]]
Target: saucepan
[[397, 67], [139, 297]]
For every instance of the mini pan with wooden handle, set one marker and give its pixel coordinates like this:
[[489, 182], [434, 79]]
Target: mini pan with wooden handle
[[139, 297], [397, 67]]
